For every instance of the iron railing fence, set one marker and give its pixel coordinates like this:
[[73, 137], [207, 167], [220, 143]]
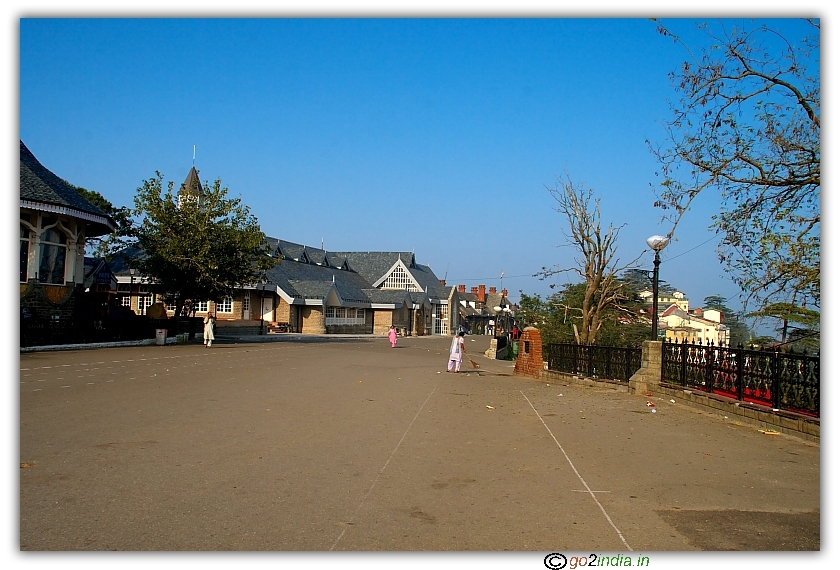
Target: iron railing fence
[[593, 361], [42, 332], [780, 380]]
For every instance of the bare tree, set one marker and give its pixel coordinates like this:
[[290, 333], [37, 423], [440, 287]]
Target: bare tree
[[747, 124], [595, 259]]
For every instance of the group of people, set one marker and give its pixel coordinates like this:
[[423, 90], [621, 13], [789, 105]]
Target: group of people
[[456, 351]]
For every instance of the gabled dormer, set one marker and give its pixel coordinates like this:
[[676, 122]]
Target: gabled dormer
[[398, 277]]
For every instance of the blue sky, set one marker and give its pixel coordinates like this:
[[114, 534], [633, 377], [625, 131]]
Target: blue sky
[[436, 136], [432, 135]]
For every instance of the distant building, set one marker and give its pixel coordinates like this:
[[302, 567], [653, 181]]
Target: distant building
[[698, 325], [666, 299], [314, 291]]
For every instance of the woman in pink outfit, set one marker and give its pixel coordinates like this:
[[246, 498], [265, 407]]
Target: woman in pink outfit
[[392, 334]]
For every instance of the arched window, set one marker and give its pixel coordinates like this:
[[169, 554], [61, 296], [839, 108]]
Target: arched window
[[25, 235], [53, 256]]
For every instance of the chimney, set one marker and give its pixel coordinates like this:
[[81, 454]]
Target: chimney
[[504, 292], [482, 294], [492, 290], [474, 290], [443, 282], [462, 288]]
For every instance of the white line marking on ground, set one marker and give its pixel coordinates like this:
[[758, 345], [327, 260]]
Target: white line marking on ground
[[353, 518], [588, 490]]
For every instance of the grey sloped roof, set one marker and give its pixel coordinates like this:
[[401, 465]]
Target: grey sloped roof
[[316, 256], [192, 184], [41, 186], [495, 300], [387, 296], [307, 281], [468, 297], [424, 275], [373, 265], [292, 251], [121, 261]]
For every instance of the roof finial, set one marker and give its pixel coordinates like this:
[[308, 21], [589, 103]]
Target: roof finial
[[193, 156]]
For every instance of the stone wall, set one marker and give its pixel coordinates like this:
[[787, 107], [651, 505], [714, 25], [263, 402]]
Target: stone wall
[[382, 321], [314, 321]]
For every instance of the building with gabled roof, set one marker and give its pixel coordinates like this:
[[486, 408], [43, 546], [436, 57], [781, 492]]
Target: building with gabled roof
[[55, 222], [316, 291]]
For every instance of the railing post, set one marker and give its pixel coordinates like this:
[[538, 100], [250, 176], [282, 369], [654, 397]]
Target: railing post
[[739, 370], [776, 384], [710, 363], [683, 362], [609, 363], [588, 361]]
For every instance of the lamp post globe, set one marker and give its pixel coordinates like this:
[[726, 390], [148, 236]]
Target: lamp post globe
[[657, 243]]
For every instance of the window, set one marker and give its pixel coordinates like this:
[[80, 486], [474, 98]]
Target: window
[[144, 303], [53, 254], [400, 280], [201, 307], [246, 302], [126, 301], [24, 253], [170, 305], [342, 316], [226, 306], [442, 319]]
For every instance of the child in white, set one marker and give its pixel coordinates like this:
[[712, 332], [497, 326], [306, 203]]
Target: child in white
[[456, 352]]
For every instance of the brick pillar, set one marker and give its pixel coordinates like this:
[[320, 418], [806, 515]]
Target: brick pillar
[[530, 359], [650, 374]]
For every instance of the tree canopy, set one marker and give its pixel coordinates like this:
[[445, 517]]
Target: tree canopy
[[107, 245], [198, 244], [747, 124]]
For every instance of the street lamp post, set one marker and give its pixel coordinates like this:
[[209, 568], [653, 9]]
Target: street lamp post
[[497, 309], [657, 243], [131, 272], [262, 311]]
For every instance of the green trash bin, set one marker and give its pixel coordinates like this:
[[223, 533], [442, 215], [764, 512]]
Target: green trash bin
[[515, 349]]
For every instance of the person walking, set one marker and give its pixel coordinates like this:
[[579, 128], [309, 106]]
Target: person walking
[[209, 337], [392, 335], [456, 353]]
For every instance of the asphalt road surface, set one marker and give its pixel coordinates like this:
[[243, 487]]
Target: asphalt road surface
[[348, 444]]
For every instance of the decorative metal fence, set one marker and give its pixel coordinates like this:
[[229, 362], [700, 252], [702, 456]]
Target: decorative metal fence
[[41, 332], [780, 380], [592, 361]]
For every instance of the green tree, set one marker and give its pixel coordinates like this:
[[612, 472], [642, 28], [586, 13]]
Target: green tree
[[198, 244], [799, 326], [106, 246], [747, 124], [558, 317]]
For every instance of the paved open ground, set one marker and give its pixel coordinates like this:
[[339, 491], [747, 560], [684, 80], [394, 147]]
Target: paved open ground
[[348, 444]]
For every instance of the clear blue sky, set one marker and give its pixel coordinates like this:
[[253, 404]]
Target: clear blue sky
[[437, 136], [432, 135]]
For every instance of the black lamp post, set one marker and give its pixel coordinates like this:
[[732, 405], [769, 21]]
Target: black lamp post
[[263, 281], [131, 272], [656, 243]]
